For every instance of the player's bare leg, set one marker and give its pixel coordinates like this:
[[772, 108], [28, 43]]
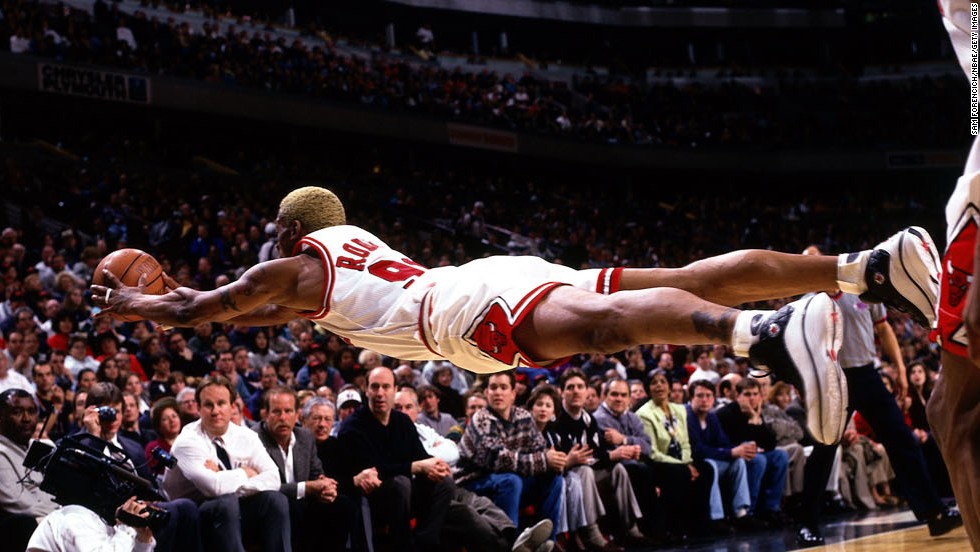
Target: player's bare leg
[[742, 276], [798, 343], [902, 272], [954, 415]]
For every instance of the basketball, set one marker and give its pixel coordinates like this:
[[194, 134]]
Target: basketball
[[128, 265]]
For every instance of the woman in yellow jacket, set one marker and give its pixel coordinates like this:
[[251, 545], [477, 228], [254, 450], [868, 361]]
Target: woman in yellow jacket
[[684, 484]]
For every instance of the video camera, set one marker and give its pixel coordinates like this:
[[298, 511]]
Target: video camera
[[77, 472]]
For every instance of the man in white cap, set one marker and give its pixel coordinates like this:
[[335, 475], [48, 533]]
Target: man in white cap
[[268, 249], [348, 400]]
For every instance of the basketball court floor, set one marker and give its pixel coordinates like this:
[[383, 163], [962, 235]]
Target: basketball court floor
[[880, 531]]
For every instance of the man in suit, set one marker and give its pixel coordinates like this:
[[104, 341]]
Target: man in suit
[[182, 530], [318, 514]]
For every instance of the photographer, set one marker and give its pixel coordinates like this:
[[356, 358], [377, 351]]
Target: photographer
[[181, 532], [76, 528]]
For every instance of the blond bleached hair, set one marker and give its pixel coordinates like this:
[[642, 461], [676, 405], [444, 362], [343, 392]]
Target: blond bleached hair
[[314, 207]]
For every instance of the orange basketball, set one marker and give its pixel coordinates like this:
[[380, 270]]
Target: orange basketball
[[128, 265]]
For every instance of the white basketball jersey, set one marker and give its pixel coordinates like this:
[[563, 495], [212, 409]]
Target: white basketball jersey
[[370, 292]]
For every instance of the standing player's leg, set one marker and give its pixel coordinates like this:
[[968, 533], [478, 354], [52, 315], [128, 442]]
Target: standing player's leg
[[954, 415]]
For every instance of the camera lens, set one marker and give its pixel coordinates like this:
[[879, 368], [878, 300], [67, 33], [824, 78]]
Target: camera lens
[[107, 414], [163, 457]]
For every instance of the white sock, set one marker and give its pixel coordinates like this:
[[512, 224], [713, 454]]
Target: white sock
[[742, 336], [850, 272]]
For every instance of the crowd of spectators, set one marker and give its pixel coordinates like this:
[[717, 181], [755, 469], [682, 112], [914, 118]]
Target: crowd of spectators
[[782, 112]]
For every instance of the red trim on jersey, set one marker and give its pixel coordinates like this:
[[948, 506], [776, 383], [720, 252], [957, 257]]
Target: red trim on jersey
[[423, 315], [524, 307], [328, 276]]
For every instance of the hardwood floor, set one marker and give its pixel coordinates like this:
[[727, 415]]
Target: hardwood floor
[[882, 531]]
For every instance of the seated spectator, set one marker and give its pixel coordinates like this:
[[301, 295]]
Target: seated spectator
[[450, 400], [50, 401], [135, 386], [319, 515], [183, 359], [684, 484], [726, 390], [228, 471], [472, 520], [166, 423], [743, 422], [18, 356], [431, 416], [20, 493], [85, 380], [78, 358], [108, 372], [187, 406], [240, 415], [920, 389], [131, 422], [461, 379], [268, 380], [789, 435], [348, 400], [638, 394], [586, 448], [63, 326], [678, 393], [866, 472], [621, 426], [710, 443], [583, 507], [62, 377], [406, 375], [593, 391], [475, 401], [384, 454], [201, 341], [225, 367], [503, 456], [705, 368], [600, 363], [260, 352]]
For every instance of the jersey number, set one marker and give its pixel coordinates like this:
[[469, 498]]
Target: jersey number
[[395, 271]]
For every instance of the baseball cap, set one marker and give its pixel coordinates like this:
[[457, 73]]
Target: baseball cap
[[348, 395]]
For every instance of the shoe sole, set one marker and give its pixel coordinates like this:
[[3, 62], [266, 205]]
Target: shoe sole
[[538, 534], [819, 326], [917, 253]]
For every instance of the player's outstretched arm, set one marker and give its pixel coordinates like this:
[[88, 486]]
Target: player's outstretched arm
[[263, 295]]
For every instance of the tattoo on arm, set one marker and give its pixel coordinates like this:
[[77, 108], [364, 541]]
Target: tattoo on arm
[[227, 302], [248, 288], [715, 327]]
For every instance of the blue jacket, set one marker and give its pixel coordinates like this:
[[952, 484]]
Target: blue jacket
[[710, 442]]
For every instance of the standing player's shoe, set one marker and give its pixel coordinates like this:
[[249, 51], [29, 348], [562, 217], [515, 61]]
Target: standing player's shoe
[[902, 272], [798, 344]]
